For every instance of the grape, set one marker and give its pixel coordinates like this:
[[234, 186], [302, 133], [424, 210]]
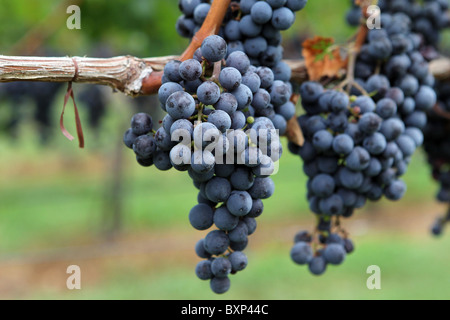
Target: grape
[[317, 265], [370, 123], [216, 242], [220, 285], [129, 137], [239, 203], [201, 217], [243, 95], [425, 98], [214, 48], [248, 27], [200, 250], [267, 77], [188, 6], [227, 102], [279, 93], [322, 140], [166, 90], [230, 78], [365, 104], [200, 13], [246, 5], [181, 126], [218, 189], [263, 188], [276, 3], [375, 143], [203, 270], [238, 60], [333, 205], [242, 179], [358, 159], [286, 110], [261, 12], [224, 220], [310, 91], [343, 144], [240, 233], [238, 120], [180, 105], [283, 18], [144, 146], [252, 81], [232, 31], [334, 253], [221, 267], [296, 5], [190, 70], [161, 160], [386, 108], [395, 190], [238, 261], [301, 253], [202, 161], [141, 123], [208, 93]]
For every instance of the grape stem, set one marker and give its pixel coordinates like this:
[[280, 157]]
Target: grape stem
[[349, 80], [441, 112], [216, 73], [355, 49], [210, 26], [339, 227]]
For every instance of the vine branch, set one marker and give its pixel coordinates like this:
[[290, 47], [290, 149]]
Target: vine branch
[[210, 26], [126, 73]]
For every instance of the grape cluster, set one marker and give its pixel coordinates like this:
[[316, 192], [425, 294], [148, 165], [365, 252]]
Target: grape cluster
[[250, 26], [357, 147], [332, 249], [428, 18], [222, 128], [437, 148]]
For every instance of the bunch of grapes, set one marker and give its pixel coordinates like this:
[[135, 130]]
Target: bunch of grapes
[[250, 26], [428, 18], [221, 127], [357, 147], [437, 148], [233, 100]]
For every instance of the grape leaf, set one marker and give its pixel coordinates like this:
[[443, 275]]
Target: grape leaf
[[322, 58]]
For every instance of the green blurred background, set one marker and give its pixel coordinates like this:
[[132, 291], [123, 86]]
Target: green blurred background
[[58, 206]]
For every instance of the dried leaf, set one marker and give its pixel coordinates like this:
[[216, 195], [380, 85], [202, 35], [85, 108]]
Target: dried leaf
[[294, 132], [322, 59]]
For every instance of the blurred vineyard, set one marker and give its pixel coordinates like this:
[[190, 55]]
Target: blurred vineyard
[[126, 226]]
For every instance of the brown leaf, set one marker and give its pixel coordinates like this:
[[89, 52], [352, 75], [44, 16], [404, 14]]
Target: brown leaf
[[321, 60], [294, 132]]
